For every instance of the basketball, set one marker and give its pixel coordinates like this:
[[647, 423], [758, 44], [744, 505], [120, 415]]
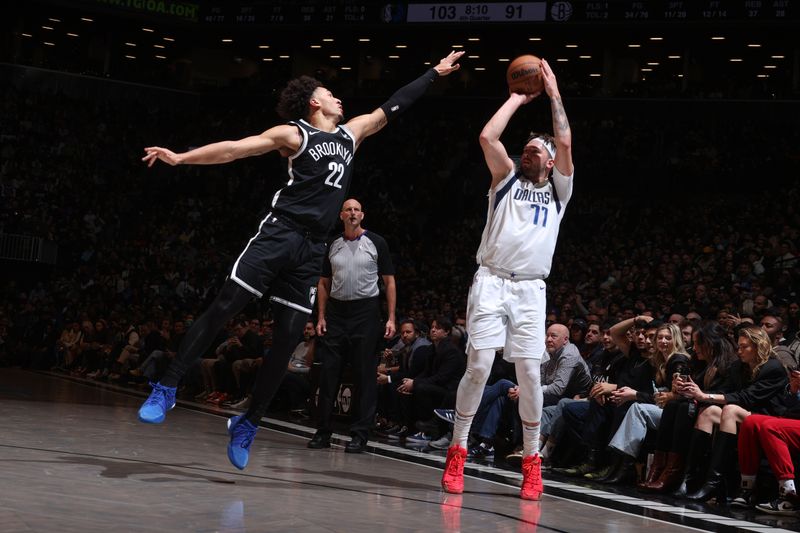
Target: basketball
[[524, 75]]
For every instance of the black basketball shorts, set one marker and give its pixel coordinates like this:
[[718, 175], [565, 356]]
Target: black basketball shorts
[[282, 262]]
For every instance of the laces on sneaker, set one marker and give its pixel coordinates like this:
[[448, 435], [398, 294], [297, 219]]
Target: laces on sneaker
[[159, 395], [456, 464], [531, 478], [243, 435], [155, 407]]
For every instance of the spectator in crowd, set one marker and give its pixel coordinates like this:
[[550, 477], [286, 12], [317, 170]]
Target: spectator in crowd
[[763, 380], [434, 387], [670, 361], [498, 404], [777, 438], [715, 355], [772, 322], [217, 371], [633, 376], [688, 328], [295, 388], [130, 346], [601, 367], [68, 346], [156, 363], [563, 370], [592, 341], [577, 333], [407, 358]]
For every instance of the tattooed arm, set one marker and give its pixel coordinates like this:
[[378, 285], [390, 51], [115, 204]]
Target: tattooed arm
[[561, 129]]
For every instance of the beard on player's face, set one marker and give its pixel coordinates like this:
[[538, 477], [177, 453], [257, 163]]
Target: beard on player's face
[[531, 169]]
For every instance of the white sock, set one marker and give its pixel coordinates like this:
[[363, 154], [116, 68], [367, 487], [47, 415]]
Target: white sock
[[787, 485], [461, 430], [530, 440]]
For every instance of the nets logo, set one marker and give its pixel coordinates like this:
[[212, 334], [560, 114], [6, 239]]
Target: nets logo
[[561, 11], [312, 295], [344, 399]]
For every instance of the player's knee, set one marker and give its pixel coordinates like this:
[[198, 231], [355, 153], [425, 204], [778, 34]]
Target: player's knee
[[477, 374]]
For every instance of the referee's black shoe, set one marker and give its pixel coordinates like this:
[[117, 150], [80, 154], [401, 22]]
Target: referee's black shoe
[[357, 444], [319, 441]]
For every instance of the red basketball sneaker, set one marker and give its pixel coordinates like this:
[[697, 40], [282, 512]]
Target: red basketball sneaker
[[453, 476], [532, 487]]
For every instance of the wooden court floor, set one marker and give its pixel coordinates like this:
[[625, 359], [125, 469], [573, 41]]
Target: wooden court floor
[[73, 457]]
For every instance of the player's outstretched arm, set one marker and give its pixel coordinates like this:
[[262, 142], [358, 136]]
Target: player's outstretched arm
[[561, 130], [283, 137], [363, 126], [493, 150]]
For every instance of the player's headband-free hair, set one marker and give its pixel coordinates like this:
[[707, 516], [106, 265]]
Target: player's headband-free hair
[[548, 145]]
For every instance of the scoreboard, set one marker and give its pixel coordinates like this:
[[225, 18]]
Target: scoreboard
[[551, 11], [671, 10]]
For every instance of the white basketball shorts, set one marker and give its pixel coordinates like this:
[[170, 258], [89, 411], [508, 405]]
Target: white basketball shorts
[[508, 314]]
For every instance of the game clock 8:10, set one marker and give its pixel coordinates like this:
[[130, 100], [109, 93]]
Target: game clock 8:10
[[477, 12]]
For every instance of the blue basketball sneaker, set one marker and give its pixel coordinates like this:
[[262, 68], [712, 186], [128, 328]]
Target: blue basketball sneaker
[[161, 400], [232, 421], [242, 433]]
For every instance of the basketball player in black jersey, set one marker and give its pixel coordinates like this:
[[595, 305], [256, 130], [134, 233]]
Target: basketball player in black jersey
[[284, 258]]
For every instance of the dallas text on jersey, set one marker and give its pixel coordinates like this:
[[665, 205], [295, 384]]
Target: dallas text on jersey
[[525, 195]]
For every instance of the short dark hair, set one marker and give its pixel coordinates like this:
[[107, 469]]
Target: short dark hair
[[444, 323], [413, 324], [293, 102]]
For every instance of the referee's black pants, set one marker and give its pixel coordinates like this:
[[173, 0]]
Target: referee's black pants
[[354, 330]]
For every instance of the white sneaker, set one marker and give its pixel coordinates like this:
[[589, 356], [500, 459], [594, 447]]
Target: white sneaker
[[786, 504], [442, 443]]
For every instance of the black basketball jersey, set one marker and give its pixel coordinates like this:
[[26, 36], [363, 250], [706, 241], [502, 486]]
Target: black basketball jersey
[[319, 178]]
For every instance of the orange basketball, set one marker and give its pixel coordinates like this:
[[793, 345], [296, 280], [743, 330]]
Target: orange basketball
[[524, 75]]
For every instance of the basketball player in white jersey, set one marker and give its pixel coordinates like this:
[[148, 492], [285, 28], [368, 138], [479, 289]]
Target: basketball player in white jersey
[[506, 306]]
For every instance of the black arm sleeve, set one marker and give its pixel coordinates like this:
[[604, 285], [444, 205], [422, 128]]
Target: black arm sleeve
[[407, 95]]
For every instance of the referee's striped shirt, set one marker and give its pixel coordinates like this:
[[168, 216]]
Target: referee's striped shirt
[[356, 266]]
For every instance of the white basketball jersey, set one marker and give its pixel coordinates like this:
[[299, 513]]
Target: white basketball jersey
[[522, 225]]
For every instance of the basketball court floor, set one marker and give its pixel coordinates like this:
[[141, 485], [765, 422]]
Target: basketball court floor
[[74, 458]]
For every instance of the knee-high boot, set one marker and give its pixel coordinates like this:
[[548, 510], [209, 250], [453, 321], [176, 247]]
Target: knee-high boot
[[721, 458], [699, 445]]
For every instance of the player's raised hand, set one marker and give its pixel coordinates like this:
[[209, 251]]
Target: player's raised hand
[[154, 153], [449, 64], [550, 84]]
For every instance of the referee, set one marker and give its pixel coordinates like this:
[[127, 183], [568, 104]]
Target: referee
[[350, 322]]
